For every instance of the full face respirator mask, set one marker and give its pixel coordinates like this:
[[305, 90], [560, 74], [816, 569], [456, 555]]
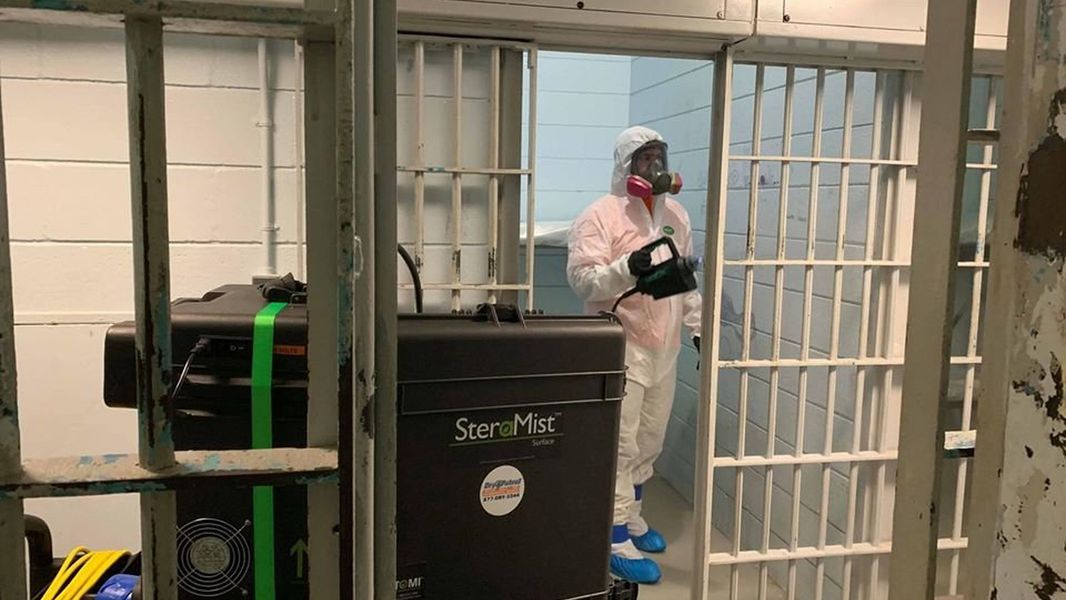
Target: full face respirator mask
[[649, 175]]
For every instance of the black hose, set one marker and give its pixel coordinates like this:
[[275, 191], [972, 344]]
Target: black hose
[[415, 278], [200, 346], [42, 565], [39, 541], [623, 297]]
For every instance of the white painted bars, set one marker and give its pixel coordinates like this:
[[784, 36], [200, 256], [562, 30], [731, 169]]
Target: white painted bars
[[866, 362], [531, 178], [457, 177], [864, 331], [707, 411], [494, 163], [745, 345], [805, 341], [779, 290], [971, 345], [420, 154], [456, 170], [891, 318], [834, 330]]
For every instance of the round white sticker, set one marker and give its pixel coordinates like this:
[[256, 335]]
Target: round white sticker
[[502, 490]]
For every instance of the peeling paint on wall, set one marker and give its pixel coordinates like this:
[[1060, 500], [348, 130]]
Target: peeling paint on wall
[[1031, 561], [1050, 582], [1040, 191]]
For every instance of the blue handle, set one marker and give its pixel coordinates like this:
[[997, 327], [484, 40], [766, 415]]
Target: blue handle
[[119, 587]]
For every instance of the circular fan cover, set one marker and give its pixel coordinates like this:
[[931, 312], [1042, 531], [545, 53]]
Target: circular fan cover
[[213, 557]]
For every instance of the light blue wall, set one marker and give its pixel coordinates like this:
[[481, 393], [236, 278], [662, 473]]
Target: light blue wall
[[673, 97], [583, 103], [552, 293]]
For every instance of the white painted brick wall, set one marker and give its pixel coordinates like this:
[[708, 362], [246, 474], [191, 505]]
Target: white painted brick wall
[[66, 138]]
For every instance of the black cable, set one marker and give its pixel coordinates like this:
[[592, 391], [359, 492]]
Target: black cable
[[415, 278], [623, 297], [200, 346]]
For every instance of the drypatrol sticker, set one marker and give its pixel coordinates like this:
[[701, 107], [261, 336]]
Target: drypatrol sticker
[[290, 350], [502, 490], [668, 230]]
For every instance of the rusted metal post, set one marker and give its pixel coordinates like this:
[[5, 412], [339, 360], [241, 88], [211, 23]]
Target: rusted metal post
[[360, 485], [384, 286], [151, 268], [323, 409], [1020, 464], [12, 527], [942, 163]]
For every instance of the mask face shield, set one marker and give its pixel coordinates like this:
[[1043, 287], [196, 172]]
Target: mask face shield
[[649, 173], [649, 161]]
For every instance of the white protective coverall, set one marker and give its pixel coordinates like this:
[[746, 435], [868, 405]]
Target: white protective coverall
[[601, 240]]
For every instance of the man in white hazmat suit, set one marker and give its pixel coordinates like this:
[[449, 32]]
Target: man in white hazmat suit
[[605, 260]]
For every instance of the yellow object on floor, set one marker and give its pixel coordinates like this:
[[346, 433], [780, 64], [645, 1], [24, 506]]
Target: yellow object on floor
[[82, 573]]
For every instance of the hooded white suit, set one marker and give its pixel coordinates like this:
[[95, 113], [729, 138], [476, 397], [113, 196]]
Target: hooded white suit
[[601, 240]]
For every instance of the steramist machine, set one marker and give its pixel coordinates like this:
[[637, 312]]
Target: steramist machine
[[507, 438]]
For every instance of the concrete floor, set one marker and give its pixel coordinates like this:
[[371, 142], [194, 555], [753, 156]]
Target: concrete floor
[[671, 514]]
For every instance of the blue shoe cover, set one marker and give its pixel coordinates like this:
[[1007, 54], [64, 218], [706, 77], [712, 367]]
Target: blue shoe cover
[[639, 570], [652, 542]]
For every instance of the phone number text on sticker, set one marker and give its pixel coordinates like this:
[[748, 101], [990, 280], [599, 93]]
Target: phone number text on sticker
[[502, 490]]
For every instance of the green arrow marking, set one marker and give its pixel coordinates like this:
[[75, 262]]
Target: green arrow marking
[[299, 550]]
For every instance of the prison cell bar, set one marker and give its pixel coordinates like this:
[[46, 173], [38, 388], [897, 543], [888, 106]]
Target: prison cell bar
[[805, 341], [971, 345], [892, 314], [707, 410], [12, 526], [942, 150], [326, 177], [880, 310], [864, 329], [298, 159], [494, 163], [455, 171], [435, 170], [531, 177], [889, 360], [826, 160], [420, 155], [775, 340], [457, 177], [151, 267], [834, 329], [754, 557], [745, 345]]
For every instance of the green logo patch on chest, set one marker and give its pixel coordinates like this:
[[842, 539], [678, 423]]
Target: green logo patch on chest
[[668, 230]]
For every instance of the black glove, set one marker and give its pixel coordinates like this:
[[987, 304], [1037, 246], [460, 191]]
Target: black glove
[[696, 342], [639, 263]]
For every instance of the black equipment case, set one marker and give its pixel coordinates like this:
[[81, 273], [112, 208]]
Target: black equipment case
[[508, 428]]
